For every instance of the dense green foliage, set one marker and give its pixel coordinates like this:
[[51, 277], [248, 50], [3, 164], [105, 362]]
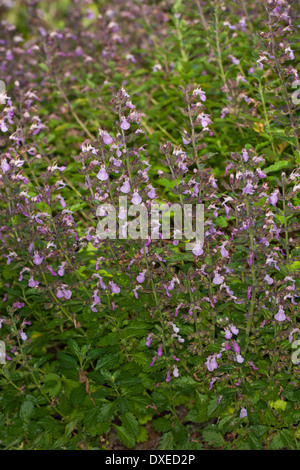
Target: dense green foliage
[[200, 101]]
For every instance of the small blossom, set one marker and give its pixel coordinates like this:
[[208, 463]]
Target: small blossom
[[114, 288], [102, 174], [280, 315], [37, 259]]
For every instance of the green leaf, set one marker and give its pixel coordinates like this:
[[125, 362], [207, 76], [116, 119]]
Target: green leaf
[[125, 437], [27, 409], [130, 423], [280, 165], [213, 438]]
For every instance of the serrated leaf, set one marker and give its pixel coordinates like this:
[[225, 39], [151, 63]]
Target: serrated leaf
[[125, 437], [130, 423]]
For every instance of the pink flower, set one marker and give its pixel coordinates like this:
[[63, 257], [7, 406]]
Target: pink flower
[[160, 351], [176, 371]]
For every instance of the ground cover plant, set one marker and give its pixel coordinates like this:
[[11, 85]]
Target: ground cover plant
[[142, 343]]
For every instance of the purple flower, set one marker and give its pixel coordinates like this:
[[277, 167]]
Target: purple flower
[[153, 360], [268, 279], [23, 335], [32, 282], [245, 155], [260, 173], [234, 330], [185, 141], [102, 174], [125, 124], [211, 363], [149, 340], [3, 126], [62, 202], [228, 333], [175, 328], [280, 315], [236, 347], [252, 365], [125, 188], [197, 250], [176, 371], [61, 270], [114, 288], [141, 277], [217, 280], [160, 351], [107, 139], [136, 295], [62, 292], [136, 198], [37, 259], [273, 198], [223, 251], [234, 60], [5, 166], [243, 413], [151, 193], [239, 359], [291, 334], [248, 189], [199, 92], [168, 378]]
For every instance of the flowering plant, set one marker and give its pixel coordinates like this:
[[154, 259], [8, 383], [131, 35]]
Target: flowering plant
[[163, 108]]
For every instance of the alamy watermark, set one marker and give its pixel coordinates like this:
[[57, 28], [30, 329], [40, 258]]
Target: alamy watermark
[[135, 222], [296, 354], [3, 96], [296, 94], [2, 353]]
